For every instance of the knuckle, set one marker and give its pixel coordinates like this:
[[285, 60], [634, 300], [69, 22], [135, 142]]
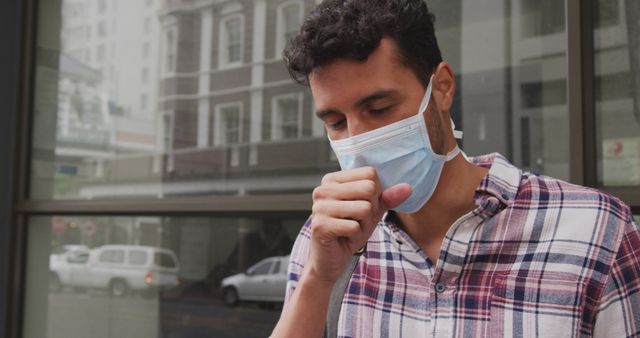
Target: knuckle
[[317, 222], [317, 209], [370, 188], [328, 178], [364, 209], [317, 193], [370, 172]]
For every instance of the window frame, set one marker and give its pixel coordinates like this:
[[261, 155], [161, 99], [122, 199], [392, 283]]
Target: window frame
[[170, 26], [223, 60], [217, 133], [18, 19], [276, 126], [281, 24]]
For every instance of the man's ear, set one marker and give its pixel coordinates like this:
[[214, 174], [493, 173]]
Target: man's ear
[[443, 87]]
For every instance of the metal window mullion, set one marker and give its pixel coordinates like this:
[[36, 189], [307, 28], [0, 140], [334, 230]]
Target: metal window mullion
[[580, 91], [26, 17], [213, 206]]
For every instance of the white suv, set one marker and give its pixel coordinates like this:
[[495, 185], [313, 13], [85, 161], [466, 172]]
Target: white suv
[[118, 268], [265, 281]]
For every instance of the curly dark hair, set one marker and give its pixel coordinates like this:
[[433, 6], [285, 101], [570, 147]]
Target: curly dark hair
[[352, 29]]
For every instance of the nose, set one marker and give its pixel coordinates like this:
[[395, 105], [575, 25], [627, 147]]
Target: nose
[[357, 126]]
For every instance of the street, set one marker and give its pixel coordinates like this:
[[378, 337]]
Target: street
[[97, 315]]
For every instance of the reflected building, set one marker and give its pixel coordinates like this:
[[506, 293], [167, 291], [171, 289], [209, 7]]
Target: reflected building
[[107, 95], [227, 119], [234, 119]]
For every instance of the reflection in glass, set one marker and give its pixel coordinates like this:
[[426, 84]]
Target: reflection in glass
[[617, 91], [510, 58], [161, 100], [265, 281], [153, 276]]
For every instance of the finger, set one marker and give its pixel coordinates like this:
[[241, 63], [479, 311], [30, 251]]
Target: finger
[[394, 196], [328, 229], [356, 210], [364, 173], [358, 190]]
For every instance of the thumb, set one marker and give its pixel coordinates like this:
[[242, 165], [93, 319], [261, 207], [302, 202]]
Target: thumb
[[394, 196]]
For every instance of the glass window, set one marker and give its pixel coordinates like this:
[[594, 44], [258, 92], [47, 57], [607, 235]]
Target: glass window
[[261, 269], [135, 134], [509, 58], [112, 256], [102, 28], [617, 92], [147, 25], [164, 260], [171, 50], [146, 50], [228, 124], [290, 19], [102, 6], [287, 111], [231, 41], [78, 257], [185, 298], [542, 17], [144, 75], [276, 267], [607, 13], [137, 257]]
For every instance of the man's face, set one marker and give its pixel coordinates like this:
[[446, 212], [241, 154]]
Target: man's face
[[354, 97]]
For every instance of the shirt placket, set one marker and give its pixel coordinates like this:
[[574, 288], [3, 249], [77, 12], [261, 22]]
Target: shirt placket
[[444, 285]]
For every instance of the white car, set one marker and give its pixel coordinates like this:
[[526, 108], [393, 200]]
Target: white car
[[265, 281], [118, 268]]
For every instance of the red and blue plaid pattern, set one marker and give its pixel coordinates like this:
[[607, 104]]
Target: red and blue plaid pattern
[[537, 258]]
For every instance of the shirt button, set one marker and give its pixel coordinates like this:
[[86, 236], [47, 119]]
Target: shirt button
[[440, 287]]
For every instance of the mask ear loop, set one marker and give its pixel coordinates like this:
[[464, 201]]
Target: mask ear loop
[[427, 97], [425, 102], [456, 133]]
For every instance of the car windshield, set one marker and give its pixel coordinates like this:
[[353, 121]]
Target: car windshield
[[261, 268], [78, 257], [164, 260]]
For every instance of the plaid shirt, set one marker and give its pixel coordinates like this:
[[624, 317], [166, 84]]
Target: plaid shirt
[[538, 257]]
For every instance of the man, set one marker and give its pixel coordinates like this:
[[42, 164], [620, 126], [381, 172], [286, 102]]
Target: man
[[452, 247]]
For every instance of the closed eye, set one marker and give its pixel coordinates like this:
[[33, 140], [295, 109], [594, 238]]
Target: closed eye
[[336, 125], [379, 110]]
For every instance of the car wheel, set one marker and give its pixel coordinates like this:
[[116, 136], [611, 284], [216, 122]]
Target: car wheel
[[55, 285], [230, 296], [119, 288]]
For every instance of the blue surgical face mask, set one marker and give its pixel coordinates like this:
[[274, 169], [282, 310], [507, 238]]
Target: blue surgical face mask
[[401, 153]]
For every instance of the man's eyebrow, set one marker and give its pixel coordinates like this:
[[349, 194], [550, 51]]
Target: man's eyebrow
[[380, 94], [324, 112]]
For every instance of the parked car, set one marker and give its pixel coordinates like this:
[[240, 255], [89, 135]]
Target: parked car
[[117, 268], [59, 252], [265, 281]]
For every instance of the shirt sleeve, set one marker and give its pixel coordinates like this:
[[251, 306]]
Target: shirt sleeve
[[299, 255], [618, 314]]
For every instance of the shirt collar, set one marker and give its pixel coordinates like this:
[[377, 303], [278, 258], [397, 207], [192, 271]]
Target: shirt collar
[[503, 179]]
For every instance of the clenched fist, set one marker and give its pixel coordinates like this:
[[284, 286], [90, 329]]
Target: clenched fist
[[347, 206]]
